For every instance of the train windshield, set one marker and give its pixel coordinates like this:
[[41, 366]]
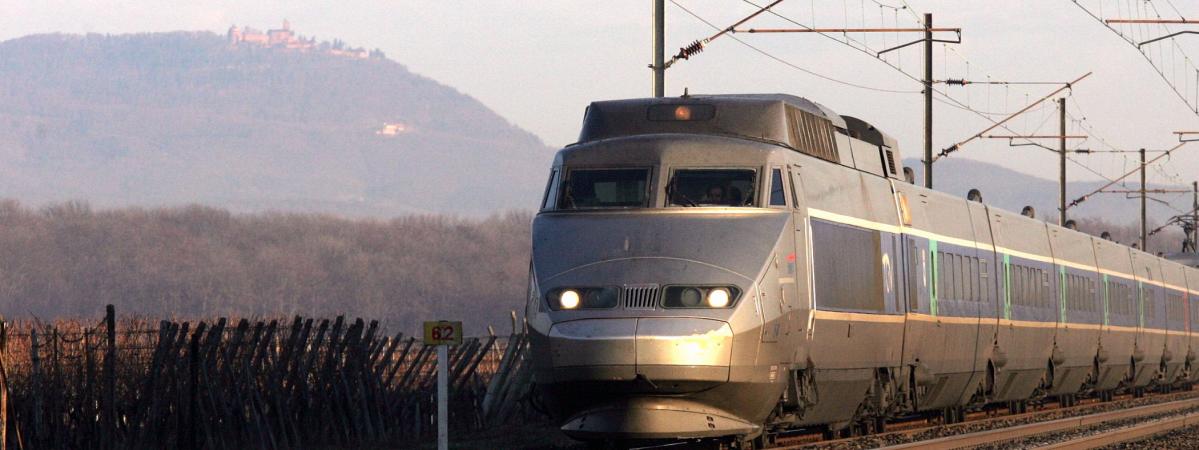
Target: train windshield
[[606, 188], [712, 187]]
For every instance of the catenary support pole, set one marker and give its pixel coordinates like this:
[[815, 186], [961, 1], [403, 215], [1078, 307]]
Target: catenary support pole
[[1195, 218], [443, 397], [928, 100], [659, 48], [1144, 222], [1062, 164]]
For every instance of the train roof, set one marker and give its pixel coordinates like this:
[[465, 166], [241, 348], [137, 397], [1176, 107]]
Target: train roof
[[1187, 259], [755, 116], [787, 120]]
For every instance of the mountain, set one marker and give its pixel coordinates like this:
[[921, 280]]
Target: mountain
[[187, 117], [1013, 190]]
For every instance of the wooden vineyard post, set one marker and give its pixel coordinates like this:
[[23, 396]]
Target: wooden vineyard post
[[35, 381], [110, 378], [191, 438], [3, 385]]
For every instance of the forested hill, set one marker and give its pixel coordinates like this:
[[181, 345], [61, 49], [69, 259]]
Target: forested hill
[[68, 260], [183, 117]]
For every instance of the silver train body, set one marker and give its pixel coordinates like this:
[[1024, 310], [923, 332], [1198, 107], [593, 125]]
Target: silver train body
[[849, 295]]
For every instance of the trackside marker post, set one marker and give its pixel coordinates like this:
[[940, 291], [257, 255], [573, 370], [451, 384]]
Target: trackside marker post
[[443, 334]]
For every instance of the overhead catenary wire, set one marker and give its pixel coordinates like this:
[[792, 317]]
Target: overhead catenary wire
[[948, 100], [952, 101], [1126, 175], [789, 63], [1138, 33], [856, 44], [1000, 123]]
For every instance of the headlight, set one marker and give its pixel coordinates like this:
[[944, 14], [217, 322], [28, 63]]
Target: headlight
[[569, 299], [583, 298], [718, 297], [699, 296]]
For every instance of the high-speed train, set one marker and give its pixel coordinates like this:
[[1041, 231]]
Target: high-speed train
[[731, 266]]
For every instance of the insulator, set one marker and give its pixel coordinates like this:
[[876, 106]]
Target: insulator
[[956, 82], [695, 47]]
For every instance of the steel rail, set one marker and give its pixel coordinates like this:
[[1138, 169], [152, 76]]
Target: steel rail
[[914, 426], [1128, 434], [1033, 429]]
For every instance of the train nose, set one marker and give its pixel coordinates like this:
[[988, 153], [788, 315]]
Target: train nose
[[659, 350]]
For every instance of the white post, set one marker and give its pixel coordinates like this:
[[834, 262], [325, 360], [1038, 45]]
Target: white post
[[443, 396]]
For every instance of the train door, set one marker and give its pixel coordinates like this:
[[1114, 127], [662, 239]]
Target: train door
[[798, 263]]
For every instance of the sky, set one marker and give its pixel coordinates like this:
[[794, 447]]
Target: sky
[[539, 63]]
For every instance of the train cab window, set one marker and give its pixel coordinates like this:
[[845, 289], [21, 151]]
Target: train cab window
[[711, 187], [551, 190], [605, 188], [778, 195]]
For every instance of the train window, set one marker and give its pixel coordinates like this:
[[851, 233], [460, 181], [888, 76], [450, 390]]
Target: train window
[[1092, 290], [914, 273], [550, 187], [975, 284], [951, 292], [939, 266], [1074, 292], [711, 187], [1174, 307], [985, 288], [794, 189], [967, 279], [959, 282], [605, 188], [1046, 293], [778, 195], [1021, 294], [850, 276]]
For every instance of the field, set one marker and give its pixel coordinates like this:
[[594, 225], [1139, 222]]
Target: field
[[247, 383]]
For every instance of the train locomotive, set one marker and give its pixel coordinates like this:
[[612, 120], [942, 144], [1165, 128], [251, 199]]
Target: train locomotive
[[731, 266]]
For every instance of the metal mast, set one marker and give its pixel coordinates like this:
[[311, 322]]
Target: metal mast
[[928, 100], [1144, 224], [1062, 166], [659, 48]]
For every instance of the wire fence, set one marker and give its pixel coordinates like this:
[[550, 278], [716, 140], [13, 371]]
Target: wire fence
[[228, 384]]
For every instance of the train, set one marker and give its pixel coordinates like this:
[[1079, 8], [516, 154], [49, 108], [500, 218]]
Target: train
[[729, 267]]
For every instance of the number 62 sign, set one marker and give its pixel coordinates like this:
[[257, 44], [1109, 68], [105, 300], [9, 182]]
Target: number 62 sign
[[443, 333]]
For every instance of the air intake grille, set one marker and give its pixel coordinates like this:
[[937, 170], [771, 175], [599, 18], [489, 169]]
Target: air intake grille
[[641, 296], [891, 162], [812, 135]]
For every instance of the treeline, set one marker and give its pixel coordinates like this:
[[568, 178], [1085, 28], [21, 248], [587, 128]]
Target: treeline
[[1167, 240], [70, 260]]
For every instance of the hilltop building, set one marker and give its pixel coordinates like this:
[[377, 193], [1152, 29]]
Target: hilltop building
[[286, 39], [392, 129]]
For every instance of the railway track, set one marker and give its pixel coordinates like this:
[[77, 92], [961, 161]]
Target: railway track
[[1003, 436], [1124, 422], [1128, 434]]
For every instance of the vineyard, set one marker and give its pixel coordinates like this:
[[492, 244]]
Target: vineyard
[[244, 383]]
